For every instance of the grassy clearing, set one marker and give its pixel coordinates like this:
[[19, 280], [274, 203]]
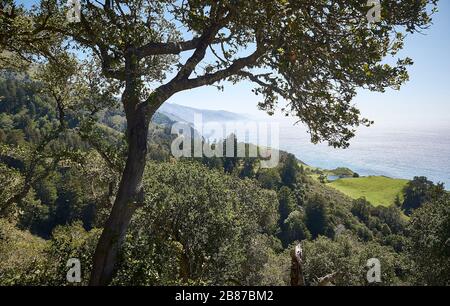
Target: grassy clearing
[[315, 172], [378, 190]]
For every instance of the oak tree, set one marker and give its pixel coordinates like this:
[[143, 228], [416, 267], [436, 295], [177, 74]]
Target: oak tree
[[312, 55]]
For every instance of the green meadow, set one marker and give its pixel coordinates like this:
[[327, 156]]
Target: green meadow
[[378, 190]]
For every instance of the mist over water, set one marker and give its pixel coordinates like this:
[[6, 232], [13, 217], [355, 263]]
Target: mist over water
[[394, 152], [397, 153]]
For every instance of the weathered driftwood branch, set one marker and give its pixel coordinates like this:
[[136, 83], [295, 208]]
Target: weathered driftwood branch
[[327, 279], [297, 277]]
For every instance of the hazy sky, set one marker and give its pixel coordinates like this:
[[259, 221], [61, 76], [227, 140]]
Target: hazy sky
[[423, 101]]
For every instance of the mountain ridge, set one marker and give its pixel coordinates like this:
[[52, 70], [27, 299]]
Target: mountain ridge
[[177, 112]]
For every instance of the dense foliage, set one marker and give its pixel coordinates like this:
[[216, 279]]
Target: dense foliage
[[203, 221], [73, 159]]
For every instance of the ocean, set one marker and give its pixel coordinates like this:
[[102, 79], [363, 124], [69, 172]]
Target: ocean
[[396, 153], [393, 152]]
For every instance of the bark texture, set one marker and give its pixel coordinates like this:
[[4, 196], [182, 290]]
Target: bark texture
[[128, 198], [297, 277], [130, 194]]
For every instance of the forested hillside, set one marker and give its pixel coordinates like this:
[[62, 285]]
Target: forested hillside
[[206, 221]]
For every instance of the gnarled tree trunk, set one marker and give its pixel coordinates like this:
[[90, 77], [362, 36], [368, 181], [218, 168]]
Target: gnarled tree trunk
[[129, 195]]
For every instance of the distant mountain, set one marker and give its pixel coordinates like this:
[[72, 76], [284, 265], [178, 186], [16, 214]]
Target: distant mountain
[[163, 119], [178, 112], [169, 114]]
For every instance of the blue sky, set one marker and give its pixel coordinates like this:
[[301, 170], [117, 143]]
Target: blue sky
[[424, 101]]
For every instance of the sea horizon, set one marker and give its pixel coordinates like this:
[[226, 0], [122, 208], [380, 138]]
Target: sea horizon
[[396, 152], [379, 151]]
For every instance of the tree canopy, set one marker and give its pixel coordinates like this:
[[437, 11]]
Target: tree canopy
[[314, 55]]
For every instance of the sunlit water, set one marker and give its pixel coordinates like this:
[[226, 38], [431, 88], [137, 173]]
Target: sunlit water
[[393, 153], [397, 153]]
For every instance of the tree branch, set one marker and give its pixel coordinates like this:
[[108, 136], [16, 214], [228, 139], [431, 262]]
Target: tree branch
[[156, 48], [199, 53], [164, 92], [105, 58], [327, 279]]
